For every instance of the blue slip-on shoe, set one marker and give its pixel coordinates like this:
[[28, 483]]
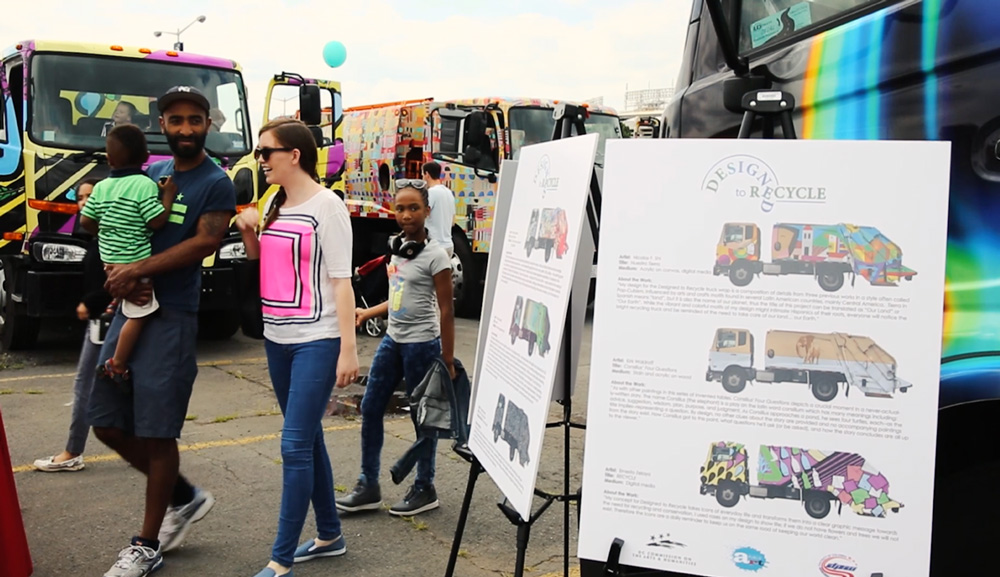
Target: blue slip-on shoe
[[268, 572], [308, 550]]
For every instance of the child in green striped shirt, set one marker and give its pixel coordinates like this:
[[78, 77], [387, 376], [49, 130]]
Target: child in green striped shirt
[[124, 210]]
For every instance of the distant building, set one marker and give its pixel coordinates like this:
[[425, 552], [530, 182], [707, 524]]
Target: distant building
[[647, 99]]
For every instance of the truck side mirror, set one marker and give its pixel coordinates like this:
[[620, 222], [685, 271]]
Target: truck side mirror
[[310, 110]]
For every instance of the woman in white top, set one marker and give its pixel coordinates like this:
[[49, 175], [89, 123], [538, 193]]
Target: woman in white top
[[308, 308]]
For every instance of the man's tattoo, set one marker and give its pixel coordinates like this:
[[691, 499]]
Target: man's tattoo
[[215, 223]]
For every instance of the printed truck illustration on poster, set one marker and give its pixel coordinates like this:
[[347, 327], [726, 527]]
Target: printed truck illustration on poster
[[514, 429], [547, 230], [818, 479], [827, 252], [530, 322], [820, 360]]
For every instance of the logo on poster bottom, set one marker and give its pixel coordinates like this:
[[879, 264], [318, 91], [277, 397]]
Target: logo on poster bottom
[[749, 559], [838, 566]]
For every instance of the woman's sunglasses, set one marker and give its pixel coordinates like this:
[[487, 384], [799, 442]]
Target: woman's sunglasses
[[411, 183], [265, 152]]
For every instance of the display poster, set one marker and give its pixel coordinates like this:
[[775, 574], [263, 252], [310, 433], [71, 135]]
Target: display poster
[[766, 357], [532, 286]]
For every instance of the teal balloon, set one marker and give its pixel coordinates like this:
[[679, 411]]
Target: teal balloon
[[334, 54], [90, 101]]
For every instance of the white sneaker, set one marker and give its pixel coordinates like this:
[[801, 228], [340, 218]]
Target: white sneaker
[[47, 465], [178, 520], [135, 561]]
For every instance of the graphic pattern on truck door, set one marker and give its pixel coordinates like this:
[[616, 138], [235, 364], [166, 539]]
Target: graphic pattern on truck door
[[847, 476], [738, 242]]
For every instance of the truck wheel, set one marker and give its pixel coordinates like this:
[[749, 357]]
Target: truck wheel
[[825, 389], [548, 253], [465, 287], [830, 281], [17, 331], [528, 246], [218, 325], [734, 379], [740, 274], [531, 347], [817, 505], [727, 493], [512, 451]]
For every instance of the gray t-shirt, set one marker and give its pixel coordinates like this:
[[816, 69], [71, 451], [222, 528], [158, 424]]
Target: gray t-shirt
[[413, 310]]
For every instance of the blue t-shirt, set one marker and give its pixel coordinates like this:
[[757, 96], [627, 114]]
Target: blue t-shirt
[[205, 188]]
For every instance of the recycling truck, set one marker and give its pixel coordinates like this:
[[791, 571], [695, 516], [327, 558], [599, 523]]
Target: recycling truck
[[56, 100], [817, 479], [827, 252], [470, 139], [821, 361]]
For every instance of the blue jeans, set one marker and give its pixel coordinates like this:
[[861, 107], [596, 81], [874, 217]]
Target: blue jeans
[[392, 362], [303, 376]]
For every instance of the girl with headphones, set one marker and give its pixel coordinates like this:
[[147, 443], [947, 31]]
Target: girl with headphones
[[421, 329]]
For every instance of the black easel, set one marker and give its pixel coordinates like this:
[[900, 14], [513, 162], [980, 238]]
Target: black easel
[[569, 118], [769, 105]]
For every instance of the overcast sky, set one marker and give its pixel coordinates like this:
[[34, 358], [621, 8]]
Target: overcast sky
[[398, 49]]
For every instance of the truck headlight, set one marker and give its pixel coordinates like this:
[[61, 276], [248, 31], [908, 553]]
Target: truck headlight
[[233, 251], [57, 252]]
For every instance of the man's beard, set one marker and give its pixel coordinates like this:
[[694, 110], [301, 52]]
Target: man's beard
[[198, 140]]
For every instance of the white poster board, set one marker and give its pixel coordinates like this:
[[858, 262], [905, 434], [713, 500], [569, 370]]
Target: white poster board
[[536, 272], [766, 355], [581, 284]]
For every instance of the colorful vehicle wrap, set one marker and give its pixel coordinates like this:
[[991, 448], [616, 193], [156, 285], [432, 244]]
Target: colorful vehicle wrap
[[470, 139], [817, 478], [828, 252]]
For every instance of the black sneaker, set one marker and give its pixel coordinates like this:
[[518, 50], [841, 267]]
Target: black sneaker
[[416, 501], [362, 498]]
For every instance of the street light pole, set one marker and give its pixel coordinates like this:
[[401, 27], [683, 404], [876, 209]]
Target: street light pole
[[179, 46]]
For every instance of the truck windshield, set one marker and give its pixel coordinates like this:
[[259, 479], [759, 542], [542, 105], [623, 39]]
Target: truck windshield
[[76, 98], [764, 21], [534, 125]]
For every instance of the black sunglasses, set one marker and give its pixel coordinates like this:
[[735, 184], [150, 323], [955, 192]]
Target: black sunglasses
[[410, 183], [266, 152]]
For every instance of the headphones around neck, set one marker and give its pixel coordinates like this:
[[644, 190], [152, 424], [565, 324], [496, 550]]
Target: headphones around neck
[[408, 249]]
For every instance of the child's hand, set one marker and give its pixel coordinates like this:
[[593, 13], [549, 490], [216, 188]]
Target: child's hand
[[347, 366], [359, 317], [167, 186], [81, 312], [246, 221]]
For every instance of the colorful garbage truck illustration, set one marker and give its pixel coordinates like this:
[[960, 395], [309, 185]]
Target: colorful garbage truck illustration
[[823, 361], [514, 429], [547, 230], [828, 252], [530, 322], [819, 479]]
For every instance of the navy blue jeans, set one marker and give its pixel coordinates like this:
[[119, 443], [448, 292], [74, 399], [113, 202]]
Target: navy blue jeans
[[303, 376], [392, 362]]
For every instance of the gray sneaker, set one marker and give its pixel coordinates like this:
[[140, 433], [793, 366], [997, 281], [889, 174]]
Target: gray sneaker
[[362, 498], [416, 501], [178, 520], [49, 465], [135, 561]]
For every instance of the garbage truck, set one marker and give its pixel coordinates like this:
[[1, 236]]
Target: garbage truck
[[470, 138], [827, 252], [822, 361], [530, 322], [817, 479], [547, 230]]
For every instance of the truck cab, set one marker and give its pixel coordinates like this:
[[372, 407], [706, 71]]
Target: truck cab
[[892, 70], [58, 101]]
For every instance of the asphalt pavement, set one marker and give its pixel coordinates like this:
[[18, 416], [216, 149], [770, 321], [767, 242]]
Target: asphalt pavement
[[77, 522]]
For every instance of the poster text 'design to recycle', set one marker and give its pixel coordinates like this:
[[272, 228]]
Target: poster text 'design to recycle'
[[533, 282], [766, 356]]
